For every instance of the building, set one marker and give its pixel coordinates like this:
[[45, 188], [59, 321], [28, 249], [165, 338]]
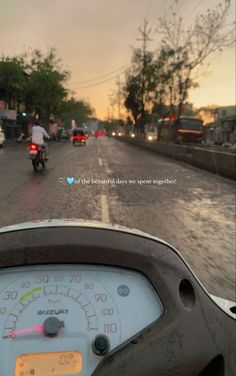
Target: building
[[220, 125], [9, 123], [8, 116], [226, 119]]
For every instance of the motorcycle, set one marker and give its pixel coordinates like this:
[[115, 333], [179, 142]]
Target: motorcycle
[[85, 298], [37, 154]]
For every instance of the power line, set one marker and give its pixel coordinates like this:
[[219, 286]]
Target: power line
[[180, 5], [153, 19], [102, 76], [97, 84], [149, 7], [194, 9], [119, 70]]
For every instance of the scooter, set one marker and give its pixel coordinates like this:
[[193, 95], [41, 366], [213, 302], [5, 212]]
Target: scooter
[[85, 298]]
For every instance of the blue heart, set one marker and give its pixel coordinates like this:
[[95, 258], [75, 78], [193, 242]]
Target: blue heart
[[70, 180]]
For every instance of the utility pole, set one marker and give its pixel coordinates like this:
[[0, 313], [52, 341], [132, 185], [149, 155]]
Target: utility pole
[[145, 32], [119, 97], [108, 114], [112, 103], [115, 98]]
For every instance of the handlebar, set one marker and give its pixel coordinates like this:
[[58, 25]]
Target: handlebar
[[188, 332]]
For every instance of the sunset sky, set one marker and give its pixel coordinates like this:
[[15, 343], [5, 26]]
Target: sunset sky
[[94, 39]]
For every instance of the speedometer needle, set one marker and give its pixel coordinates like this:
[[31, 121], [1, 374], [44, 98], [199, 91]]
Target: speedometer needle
[[38, 328], [50, 327]]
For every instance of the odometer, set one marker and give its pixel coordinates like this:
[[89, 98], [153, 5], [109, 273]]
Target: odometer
[[50, 364]]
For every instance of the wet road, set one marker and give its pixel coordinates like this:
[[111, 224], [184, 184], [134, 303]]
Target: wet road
[[193, 210]]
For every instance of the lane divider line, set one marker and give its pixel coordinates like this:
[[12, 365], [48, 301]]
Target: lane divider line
[[108, 171], [100, 161], [105, 209]]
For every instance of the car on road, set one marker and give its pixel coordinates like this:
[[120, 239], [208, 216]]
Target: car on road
[[2, 139]]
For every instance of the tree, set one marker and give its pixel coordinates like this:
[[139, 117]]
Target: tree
[[138, 90], [13, 79], [187, 49], [145, 58], [133, 97], [72, 109], [46, 79]]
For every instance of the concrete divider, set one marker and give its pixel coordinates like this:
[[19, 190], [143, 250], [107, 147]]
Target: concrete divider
[[218, 162]]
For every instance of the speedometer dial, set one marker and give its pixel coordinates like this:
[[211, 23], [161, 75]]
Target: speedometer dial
[[85, 310], [55, 301]]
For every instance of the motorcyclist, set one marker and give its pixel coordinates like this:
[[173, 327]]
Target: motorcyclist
[[37, 136]]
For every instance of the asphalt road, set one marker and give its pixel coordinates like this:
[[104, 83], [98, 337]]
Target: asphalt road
[[193, 210]]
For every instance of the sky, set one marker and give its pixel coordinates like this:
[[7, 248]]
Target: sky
[[94, 39]]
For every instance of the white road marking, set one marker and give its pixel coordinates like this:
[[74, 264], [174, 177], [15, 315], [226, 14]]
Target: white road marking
[[108, 171], [100, 161], [99, 150], [105, 209]]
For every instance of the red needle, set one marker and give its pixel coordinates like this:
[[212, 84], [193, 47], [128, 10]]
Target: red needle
[[38, 328]]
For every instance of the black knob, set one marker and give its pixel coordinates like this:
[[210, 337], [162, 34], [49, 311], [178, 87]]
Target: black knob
[[52, 326], [101, 344]]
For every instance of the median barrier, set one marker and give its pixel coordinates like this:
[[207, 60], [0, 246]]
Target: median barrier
[[219, 162]]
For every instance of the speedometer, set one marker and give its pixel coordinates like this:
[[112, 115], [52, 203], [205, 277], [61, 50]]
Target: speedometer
[[49, 311]]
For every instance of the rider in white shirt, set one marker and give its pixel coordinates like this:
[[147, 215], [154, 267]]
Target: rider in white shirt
[[38, 134]]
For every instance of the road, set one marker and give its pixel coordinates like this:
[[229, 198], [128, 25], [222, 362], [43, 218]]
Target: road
[[194, 210]]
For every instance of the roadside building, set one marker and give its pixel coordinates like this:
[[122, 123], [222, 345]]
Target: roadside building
[[226, 119], [212, 133], [219, 124], [8, 116], [211, 129], [9, 124]]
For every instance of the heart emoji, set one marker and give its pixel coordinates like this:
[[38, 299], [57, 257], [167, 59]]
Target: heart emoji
[[70, 180]]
